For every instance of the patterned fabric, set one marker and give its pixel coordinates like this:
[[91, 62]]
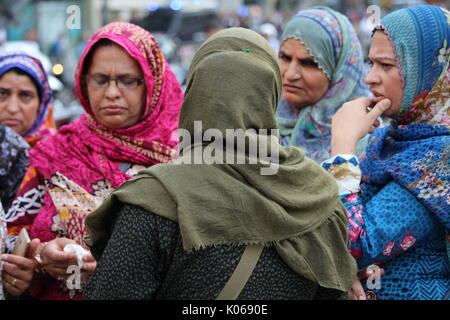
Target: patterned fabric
[[421, 38], [88, 151], [2, 247], [296, 206], [399, 217], [74, 171], [44, 126], [13, 163], [346, 171], [164, 270], [391, 228], [414, 151], [332, 42]]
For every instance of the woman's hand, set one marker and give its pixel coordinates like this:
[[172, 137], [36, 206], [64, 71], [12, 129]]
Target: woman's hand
[[353, 121], [18, 271], [55, 261], [89, 263], [357, 291]]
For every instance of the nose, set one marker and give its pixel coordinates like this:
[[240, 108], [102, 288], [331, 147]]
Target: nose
[[112, 91], [372, 78], [13, 104], [293, 72]]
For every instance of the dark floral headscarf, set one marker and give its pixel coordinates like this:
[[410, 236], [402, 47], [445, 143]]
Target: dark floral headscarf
[[13, 163]]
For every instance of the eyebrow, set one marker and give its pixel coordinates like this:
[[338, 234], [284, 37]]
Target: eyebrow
[[20, 90], [307, 60], [382, 58], [302, 60], [119, 75], [26, 91]]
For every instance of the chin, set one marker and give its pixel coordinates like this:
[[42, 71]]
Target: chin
[[112, 125]]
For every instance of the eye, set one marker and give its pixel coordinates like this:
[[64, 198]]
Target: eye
[[3, 93], [26, 97], [310, 63], [284, 57], [128, 80], [100, 79]]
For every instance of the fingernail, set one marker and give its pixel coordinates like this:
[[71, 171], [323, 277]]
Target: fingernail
[[361, 298], [386, 103]]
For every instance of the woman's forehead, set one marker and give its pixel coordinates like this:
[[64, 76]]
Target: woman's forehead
[[113, 59], [381, 47]]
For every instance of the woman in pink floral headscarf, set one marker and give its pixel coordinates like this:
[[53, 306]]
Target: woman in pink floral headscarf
[[132, 101]]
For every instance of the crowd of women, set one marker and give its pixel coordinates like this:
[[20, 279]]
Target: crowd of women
[[363, 166]]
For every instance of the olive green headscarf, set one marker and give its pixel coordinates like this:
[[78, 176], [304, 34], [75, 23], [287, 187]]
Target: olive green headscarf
[[234, 82]]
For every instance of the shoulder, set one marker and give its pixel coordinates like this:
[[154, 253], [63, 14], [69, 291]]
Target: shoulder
[[145, 222]]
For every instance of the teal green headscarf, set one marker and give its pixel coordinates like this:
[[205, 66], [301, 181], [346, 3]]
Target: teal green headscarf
[[234, 83], [331, 40]]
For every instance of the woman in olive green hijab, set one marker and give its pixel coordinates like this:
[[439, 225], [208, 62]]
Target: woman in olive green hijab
[[190, 231]]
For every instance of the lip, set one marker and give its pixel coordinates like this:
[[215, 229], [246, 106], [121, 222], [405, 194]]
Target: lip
[[291, 88], [11, 122], [112, 110], [377, 94]]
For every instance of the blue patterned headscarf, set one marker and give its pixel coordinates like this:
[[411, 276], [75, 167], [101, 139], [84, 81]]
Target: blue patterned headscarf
[[415, 150], [420, 36], [331, 40], [35, 70]]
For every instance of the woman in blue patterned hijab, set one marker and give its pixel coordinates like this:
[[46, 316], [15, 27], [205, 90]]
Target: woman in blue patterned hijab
[[398, 198], [332, 50]]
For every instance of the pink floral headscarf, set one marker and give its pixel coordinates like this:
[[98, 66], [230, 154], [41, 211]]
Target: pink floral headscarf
[[88, 150]]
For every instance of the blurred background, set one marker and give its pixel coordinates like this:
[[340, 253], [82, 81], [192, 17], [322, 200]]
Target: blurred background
[[57, 31]]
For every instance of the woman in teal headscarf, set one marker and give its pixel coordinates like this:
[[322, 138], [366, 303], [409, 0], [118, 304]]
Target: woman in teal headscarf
[[322, 67]]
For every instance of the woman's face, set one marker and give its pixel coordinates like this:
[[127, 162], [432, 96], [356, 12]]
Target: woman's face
[[19, 102], [384, 77], [115, 104], [303, 82]]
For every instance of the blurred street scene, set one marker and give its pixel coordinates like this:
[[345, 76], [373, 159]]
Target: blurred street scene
[[57, 31]]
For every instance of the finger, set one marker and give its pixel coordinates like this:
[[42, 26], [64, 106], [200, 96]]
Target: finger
[[54, 254], [16, 285], [12, 290], [19, 262], [32, 247], [351, 296], [56, 272], [89, 267], [15, 272], [88, 257], [376, 123], [379, 109], [358, 291], [375, 100]]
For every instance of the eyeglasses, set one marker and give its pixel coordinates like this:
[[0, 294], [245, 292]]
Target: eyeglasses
[[122, 82]]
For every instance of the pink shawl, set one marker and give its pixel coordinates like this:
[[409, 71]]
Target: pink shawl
[[86, 152]]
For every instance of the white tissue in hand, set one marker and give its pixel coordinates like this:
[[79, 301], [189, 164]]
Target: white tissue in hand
[[79, 250]]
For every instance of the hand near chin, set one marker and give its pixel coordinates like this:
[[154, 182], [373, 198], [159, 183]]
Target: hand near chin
[[353, 121]]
